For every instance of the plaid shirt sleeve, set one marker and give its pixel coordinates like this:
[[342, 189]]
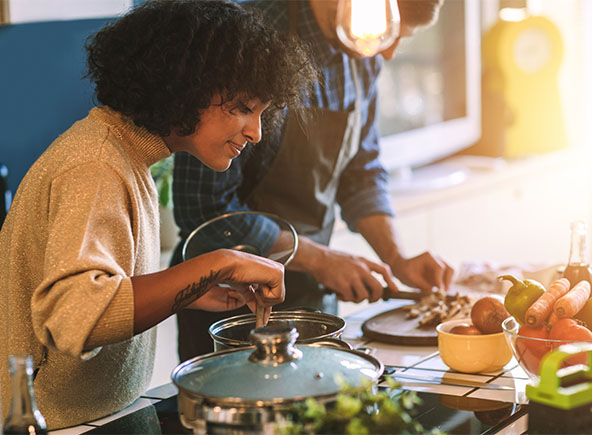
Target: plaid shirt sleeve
[[363, 186]]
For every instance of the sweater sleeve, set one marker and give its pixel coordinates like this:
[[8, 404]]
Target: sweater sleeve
[[85, 299]]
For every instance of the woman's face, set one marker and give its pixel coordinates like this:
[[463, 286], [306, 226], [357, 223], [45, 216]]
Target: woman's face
[[223, 131]]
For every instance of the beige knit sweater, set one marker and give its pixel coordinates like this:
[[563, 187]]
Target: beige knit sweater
[[83, 221]]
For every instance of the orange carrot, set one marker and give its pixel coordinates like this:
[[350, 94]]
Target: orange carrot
[[573, 301], [551, 320], [538, 312]]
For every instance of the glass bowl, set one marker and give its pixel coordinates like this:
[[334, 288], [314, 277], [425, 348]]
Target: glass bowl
[[529, 351]]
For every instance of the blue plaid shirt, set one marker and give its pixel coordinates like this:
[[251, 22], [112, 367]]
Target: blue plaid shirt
[[200, 193]]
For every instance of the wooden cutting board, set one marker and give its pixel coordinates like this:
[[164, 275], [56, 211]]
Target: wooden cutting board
[[394, 327]]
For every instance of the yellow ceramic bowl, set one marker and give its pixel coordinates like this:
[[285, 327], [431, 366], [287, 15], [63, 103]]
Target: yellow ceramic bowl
[[472, 353]]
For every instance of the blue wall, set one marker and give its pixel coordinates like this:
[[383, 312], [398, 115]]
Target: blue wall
[[42, 91]]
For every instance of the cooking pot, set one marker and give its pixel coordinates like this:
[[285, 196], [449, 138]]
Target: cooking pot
[[251, 389], [311, 325]]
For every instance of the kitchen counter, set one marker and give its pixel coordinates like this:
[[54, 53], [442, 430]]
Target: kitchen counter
[[425, 361], [446, 406]]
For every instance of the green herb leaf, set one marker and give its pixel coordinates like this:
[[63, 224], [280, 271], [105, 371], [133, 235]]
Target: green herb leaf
[[357, 410]]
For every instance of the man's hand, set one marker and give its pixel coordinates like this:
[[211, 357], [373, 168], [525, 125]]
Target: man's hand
[[425, 272], [351, 277]]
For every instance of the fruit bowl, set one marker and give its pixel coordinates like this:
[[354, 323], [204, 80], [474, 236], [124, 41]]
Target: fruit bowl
[[472, 353], [529, 350]]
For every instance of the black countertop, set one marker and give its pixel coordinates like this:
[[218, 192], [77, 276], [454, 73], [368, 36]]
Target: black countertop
[[438, 411]]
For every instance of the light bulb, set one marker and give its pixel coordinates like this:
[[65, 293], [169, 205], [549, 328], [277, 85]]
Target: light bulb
[[368, 26]]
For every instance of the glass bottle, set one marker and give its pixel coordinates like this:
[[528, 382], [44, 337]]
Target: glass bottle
[[24, 416], [578, 265]]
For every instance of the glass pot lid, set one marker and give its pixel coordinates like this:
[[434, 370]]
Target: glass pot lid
[[255, 232], [273, 371]]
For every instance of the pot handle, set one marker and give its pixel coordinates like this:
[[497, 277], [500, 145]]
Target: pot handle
[[365, 350], [330, 342]]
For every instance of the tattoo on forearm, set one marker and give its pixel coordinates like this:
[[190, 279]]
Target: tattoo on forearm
[[194, 291]]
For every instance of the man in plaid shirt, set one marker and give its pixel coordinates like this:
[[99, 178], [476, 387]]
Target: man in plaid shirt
[[325, 156]]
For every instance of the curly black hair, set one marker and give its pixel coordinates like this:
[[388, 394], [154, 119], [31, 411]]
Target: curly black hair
[[162, 63]]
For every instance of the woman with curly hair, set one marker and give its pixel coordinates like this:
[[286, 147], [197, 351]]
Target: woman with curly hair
[[81, 286]]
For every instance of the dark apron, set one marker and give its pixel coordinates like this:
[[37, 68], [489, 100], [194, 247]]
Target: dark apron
[[300, 186], [302, 183]]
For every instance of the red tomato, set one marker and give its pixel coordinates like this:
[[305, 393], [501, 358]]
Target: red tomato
[[530, 352], [538, 347], [570, 331]]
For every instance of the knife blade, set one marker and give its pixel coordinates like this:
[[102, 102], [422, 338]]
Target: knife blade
[[414, 295], [455, 382]]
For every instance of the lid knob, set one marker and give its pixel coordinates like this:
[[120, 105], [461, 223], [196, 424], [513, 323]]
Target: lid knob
[[274, 344]]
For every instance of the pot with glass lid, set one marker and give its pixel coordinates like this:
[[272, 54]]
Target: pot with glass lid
[[251, 389], [312, 326]]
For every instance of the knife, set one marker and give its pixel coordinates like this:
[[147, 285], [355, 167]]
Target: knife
[[456, 382], [414, 295]]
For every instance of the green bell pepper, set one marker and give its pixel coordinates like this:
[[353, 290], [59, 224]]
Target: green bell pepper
[[521, 296]]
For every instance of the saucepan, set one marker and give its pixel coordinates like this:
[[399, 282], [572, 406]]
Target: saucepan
[[251, 389], [312, 326]]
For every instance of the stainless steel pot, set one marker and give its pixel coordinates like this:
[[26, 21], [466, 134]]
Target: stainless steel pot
[[250, 389], [312, 326]]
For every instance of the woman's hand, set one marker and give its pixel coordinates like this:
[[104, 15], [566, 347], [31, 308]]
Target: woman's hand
[[249, 279], [224, 299], [217, 281]]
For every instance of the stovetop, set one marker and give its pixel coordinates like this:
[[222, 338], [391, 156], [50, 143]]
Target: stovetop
[[159, 418], [449, 414]]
